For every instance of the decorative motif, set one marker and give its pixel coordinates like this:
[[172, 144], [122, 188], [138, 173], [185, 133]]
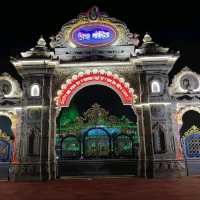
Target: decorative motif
[[5, 87], [185, 82], [95, 114], [149, 47], [41, 42], [4, 136], [158, 111], [183, 109], [95, 77], [40, 50], [15, 124], [5, 147], [191, 142], [9, 87], [72, 123], [192, 130], [110, 30], [147, 39], [94, 130], [189, 82], [5, 151], [93, 13], [193, 146]]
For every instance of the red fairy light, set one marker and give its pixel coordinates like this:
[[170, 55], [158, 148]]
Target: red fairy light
[[91, 78]]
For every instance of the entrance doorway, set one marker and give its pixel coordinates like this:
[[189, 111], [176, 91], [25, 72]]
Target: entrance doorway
[[6, 136], [97, 135], [190, 138]]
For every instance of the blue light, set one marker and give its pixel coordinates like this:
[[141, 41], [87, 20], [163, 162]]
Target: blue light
[[94, 35], [102, 132], [5, 151], [192, 145]]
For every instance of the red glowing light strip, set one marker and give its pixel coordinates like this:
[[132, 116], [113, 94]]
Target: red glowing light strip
[[97, 78]]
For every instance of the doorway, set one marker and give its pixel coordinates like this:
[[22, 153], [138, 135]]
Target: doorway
[[97, 134], [190, 139], [6, 137]]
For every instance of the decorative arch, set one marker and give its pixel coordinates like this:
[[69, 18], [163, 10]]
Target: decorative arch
[[12, 116], [12, 87], [179, 115], [182, 111], [94, 77], [176, 88]]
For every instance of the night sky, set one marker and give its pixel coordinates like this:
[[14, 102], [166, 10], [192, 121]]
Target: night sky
[[171, 25]]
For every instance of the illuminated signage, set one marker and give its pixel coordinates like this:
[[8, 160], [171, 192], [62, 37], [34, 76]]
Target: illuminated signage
[[92, 35], [90, 78]]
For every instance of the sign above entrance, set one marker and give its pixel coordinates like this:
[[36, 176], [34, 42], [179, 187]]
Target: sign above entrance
[[93, 29], [95, 77], [94, 34]]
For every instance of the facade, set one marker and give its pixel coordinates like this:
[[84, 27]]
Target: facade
[[57, 123]]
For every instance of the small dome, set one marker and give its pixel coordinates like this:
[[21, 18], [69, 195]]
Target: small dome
[[147, 38], [41, 42]]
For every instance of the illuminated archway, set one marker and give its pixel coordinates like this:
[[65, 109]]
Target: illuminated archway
[[182, 111], [94, 107], [190, 140], [97, 101], [14, 120], [179, 119], [95, 77], [6, 136]]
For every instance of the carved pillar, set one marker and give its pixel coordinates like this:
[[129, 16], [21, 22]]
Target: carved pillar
[[141, 151], [148, 141]]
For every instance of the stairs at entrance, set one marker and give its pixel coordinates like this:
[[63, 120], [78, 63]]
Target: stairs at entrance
[[100, 167]]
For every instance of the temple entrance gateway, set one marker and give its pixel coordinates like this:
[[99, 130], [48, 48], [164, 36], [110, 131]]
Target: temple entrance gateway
[[97, 135], [96, 101]]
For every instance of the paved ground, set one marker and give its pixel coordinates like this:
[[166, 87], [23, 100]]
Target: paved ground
[[104, 188]]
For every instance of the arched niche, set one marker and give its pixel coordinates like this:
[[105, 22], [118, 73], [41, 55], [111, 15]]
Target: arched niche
[[182, 110], [8, 123], [155, 86], [35, 90]]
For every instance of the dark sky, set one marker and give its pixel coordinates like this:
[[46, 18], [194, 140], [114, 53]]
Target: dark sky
[[111, 102], [173, 25]]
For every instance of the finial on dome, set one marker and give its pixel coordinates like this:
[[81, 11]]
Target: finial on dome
[[41, 42], [186, 68], [93, 13], [147, 38]]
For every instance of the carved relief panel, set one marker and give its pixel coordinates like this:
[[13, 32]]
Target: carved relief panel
[[159, 138], [158, 112], [185, 82]]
